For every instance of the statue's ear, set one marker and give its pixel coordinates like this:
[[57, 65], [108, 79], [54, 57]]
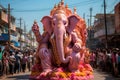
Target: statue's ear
[[73, 20], [46, 21]]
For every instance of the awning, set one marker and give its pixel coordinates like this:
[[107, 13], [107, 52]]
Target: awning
[[13, 47], [16, 44], [4, 37]]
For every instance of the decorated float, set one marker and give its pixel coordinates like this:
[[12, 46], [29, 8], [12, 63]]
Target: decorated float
[[62, 52]]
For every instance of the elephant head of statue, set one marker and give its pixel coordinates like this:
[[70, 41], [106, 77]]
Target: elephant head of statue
[[59, 24]]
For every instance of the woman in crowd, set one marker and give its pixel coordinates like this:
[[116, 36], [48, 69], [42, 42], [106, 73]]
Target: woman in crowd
[[24, 62], [17, 63], [30, 60], [93, 59], [118, 62], [12, 62], [5, 63]]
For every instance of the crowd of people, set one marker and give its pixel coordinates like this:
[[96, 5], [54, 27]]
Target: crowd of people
[[106, 60], [15, 61]]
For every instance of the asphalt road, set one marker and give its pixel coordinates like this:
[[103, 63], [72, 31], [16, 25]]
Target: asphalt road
[[98, 75], [20, 76]]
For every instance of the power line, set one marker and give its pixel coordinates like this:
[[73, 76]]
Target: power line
[[113, 3], [72, 5], [84, 3], [45, 9], [111, 6], [111, 11]]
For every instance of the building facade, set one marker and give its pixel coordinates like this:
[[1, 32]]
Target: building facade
[[99, 27], [4, 36], [116, 37], [117, 18]]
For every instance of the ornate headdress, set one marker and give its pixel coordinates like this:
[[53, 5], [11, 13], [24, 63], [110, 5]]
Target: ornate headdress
[[60, 8]]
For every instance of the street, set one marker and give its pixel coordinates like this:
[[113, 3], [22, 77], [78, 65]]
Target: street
[[98, 75], [68, 35], [20, 76]]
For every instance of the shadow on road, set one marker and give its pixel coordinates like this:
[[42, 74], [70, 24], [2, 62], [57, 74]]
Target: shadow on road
[[107, 76], [19, 77]]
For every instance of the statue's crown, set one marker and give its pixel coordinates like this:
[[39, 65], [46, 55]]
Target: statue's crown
[[60, 8]]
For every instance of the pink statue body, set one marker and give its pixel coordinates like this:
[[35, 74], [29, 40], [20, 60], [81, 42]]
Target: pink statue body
[[61, 52], [43, 52]]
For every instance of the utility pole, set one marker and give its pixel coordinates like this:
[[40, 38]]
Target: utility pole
[[24, 27], [84, 16], [90, 16], [20, 32], [25, 33], [88, 22], [105, 25], [9, 20]]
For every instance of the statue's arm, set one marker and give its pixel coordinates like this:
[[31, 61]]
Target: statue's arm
[[35, 29], [77, 42], [38, 37], [45, 37]]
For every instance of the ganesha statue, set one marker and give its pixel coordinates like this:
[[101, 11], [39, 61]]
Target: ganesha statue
[[62, 52]]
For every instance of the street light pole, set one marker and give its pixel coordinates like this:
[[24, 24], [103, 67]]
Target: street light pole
[[105, 25]]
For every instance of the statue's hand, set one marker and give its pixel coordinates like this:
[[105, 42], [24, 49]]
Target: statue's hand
[[69, 57], [76, 47], [35, 28]]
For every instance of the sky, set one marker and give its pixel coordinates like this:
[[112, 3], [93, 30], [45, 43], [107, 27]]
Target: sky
[[30, 10]]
